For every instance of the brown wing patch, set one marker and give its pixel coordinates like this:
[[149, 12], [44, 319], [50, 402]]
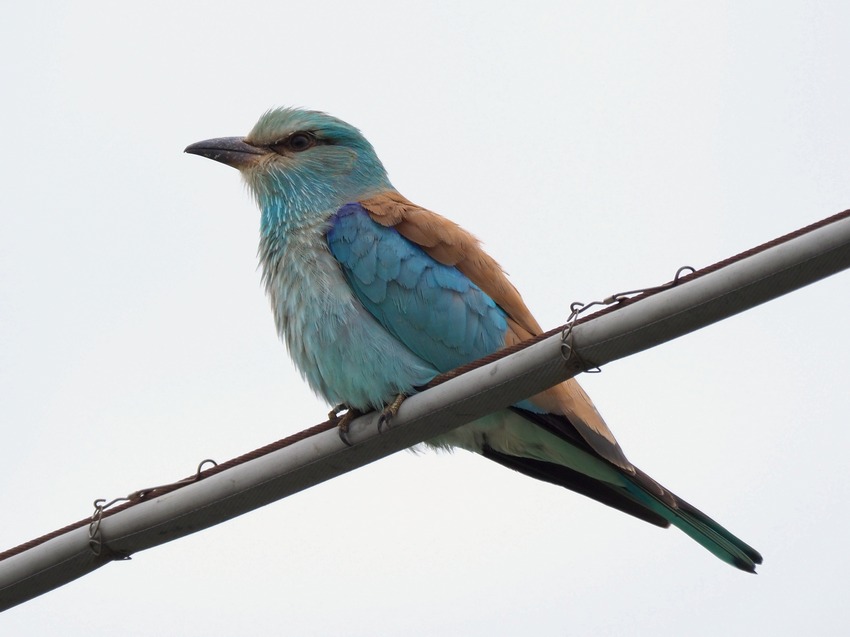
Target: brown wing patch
[[448, 243]]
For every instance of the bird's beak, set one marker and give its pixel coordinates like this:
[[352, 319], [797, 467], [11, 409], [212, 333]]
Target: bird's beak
[[232, 151]]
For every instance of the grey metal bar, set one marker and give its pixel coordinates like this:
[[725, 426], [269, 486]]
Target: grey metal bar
[[633, 328]]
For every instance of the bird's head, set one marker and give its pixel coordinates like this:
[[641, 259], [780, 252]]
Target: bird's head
[[300, 165]]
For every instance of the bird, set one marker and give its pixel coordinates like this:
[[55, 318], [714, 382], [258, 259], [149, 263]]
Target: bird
[[374, 296]]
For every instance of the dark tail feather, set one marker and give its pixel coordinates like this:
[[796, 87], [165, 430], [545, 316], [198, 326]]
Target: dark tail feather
[[565, 477]]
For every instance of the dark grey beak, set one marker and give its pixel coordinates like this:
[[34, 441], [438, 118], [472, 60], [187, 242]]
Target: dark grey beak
[[232, 151]]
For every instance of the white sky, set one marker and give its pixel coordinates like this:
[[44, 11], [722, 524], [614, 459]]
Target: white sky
[[594, 147]]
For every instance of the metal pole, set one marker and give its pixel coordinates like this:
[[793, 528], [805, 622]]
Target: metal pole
[[637, 326]]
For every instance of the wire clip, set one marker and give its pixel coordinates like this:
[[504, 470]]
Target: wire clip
[[577, 308], [100, 505]]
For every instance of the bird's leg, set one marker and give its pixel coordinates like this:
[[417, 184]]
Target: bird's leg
[[333, 414], [389, 412], [343, 422]]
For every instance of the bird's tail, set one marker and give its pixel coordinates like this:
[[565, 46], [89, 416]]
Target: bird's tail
[[634, 492], [692, 521]]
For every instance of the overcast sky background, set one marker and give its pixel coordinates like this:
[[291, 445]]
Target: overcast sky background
[[593, 147]]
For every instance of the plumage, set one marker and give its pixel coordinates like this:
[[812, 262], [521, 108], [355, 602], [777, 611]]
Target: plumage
[[374, 296], [425, 307]]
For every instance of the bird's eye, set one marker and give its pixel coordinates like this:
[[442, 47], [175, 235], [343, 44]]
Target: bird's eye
[[297, 142]]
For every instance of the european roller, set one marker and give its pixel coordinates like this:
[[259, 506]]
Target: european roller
[[374, 296]]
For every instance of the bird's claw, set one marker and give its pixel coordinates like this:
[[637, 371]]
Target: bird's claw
[[389, 412], [344, 421], [342, 415], [343, 435]]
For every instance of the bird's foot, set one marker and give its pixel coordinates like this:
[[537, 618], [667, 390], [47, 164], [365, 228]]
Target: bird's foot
[[389, 412], [344, 421]]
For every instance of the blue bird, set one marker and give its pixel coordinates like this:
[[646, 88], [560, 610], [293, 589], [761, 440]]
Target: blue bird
[[374, 296]]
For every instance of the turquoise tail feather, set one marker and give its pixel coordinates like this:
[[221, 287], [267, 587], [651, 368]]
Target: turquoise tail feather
[[692, 522]]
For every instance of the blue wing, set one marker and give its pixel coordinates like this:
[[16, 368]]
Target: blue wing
[[436, 311]]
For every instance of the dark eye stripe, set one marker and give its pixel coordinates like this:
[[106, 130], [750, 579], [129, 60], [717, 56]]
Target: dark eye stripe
[[298, 142]]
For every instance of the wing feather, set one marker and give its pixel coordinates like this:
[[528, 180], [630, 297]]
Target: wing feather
[[449, 244], [430, 307]]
